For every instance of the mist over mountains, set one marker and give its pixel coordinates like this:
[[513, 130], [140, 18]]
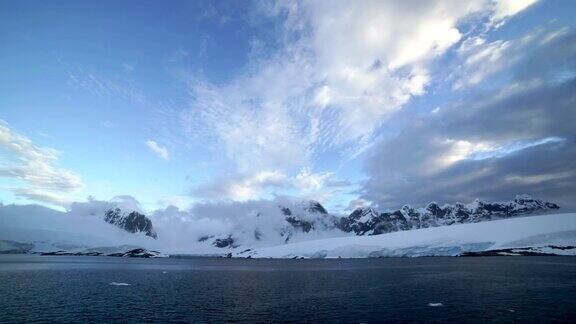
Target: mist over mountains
[[234, 226], [310, 218]]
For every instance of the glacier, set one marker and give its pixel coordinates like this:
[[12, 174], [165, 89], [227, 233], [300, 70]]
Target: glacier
[[550, 234]]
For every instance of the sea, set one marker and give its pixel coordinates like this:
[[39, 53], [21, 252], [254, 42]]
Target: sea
[[79, 289]]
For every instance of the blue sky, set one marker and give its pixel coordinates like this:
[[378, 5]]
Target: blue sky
[[185, 102]]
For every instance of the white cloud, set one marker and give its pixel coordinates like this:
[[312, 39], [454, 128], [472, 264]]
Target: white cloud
[[240, 188], [482, 59], [507, 8], [342, 69], [511, 134], [454, 151], [308, 181], [43, 196], [94, 207], [358, 203], [308, 184], [373, 56], [160, 151], [176, 201], [362, 60], [36, 167]]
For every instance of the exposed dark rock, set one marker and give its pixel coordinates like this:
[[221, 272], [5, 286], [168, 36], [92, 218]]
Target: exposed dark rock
[[88, 253], [360, 221], [56, 253], [315, 207], [257, 235], [134, 222], [308, 216], [525, 251], [136, 253], [366, 221], [303, 225], [225, 242], [286, 211], [72, 253]]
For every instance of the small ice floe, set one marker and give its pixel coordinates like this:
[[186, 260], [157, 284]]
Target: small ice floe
[[435, 304], [119, 284], [164, 272]]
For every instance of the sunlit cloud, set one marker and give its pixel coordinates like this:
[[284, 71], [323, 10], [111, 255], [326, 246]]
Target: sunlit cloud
[[36, 168]]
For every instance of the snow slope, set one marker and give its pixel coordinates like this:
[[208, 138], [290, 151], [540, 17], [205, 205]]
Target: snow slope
[[534, 231], [50, 230]]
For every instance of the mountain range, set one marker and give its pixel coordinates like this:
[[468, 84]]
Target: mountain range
[[310, 218], [119, 229], [368, 221]]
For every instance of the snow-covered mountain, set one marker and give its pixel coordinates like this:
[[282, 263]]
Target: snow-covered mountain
[[120, 226], [309, 219], [367, 221], [279, 224], [133, 221], [35, 228]]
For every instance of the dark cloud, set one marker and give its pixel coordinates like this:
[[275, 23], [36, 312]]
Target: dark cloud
[[520, 138]]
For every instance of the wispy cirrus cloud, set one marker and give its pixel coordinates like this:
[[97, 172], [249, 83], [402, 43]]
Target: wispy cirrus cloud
[[341, 70], [102, 86]]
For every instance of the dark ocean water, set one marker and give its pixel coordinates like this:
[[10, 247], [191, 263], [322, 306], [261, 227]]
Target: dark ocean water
[[78, 289]]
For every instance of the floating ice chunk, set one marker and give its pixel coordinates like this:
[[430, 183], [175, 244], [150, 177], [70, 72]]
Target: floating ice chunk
[[435, 304], [113, 283]]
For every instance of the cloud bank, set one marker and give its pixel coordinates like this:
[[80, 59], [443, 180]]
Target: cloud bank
[[510, 138]]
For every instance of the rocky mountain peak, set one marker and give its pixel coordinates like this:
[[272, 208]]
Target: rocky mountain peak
[[133, 222], [313, 206]]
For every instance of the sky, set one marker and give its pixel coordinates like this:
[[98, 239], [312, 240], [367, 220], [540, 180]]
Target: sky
[[350, 103]]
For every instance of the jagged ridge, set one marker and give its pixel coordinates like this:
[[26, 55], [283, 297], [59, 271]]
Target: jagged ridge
[[311, 216], [366, 221]]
